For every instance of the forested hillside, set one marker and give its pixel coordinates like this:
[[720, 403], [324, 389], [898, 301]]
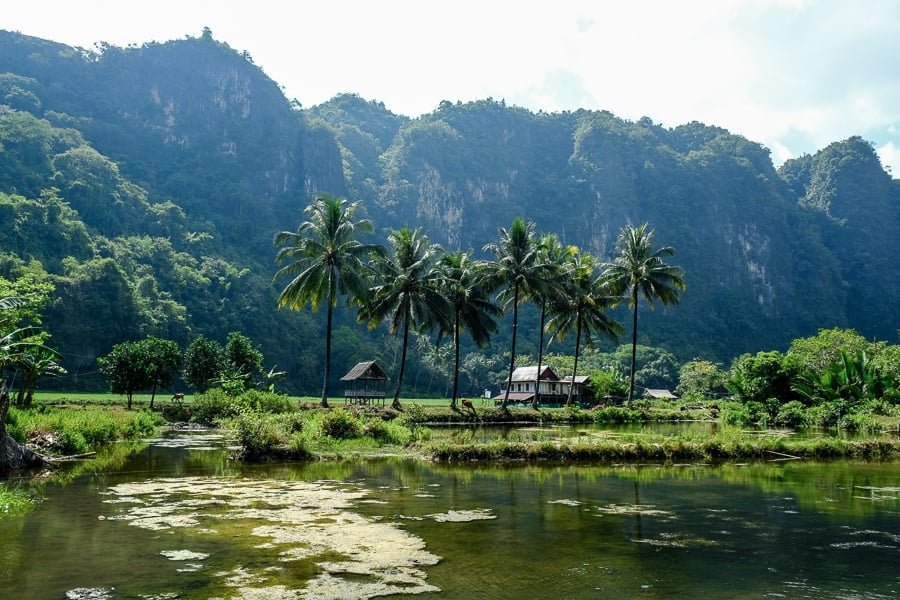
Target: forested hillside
[[147, 184]]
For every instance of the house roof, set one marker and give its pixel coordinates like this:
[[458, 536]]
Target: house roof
[[582, 379], [654, 393], [530, 373], [365, 370]]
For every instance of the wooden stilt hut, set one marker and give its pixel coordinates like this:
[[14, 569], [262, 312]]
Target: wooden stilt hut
[[365, 384]]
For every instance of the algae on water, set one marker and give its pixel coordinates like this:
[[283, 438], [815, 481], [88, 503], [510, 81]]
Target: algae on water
[[351, 556]]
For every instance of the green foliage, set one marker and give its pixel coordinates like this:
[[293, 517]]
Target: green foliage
[[324, 259], [407, 293], [762, 376], [140, 365], [15, 500], [792, 414], [243, 360], [607, 384], [848, 381], [816, 353], [202, 364], [267, 436], [700, 377], [78, 430], [341, 425]]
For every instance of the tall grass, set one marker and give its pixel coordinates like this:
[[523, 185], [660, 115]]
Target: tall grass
[[727, 444], [300, 434], [78, 430]]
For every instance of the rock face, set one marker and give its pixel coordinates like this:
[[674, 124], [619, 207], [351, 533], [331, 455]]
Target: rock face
[[14, 457]]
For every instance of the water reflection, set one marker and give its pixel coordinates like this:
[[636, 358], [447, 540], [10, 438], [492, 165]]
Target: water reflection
[[181, 520]]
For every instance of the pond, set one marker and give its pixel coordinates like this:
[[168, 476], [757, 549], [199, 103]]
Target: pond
[[176, 518]]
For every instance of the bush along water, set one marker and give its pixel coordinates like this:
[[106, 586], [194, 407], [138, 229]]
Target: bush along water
[[69, 431], [298, 435]]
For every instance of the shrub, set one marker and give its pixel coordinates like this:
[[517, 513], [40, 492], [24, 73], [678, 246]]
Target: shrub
[[214, 406], [264, 401], [264, 435], [340, 425], [792, 414]]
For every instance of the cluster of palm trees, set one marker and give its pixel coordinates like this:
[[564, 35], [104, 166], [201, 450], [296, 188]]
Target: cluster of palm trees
[[21, 352], [417, 285]]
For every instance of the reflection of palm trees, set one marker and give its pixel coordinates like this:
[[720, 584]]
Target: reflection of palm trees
[[638, 530]]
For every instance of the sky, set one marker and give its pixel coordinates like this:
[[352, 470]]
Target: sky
[[793, 75]]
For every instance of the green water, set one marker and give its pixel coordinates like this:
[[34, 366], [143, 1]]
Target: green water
[[169, 521]]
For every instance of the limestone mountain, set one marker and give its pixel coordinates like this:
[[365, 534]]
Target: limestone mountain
[[149, 182]]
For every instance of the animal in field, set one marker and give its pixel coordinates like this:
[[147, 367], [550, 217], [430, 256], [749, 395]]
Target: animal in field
[[178, 397], [467, 404]]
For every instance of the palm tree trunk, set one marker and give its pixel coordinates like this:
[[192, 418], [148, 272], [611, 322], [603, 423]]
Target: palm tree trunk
[[4, 406], [536, 401], [152, 396], [634, 301], [455, 362], [328, 322], [575, 366], [327, 374], [396, 403], [512, 358]]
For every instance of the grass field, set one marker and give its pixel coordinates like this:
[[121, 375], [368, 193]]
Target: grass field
[[142, 400]]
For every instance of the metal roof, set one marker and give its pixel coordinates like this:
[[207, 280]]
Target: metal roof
[[365, 370]]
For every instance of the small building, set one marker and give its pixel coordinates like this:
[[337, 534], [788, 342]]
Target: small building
[[365, 384], [655, 394], [552, 389]]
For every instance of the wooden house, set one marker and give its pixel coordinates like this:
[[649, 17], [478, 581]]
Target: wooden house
[[365, 384], [552, 389]]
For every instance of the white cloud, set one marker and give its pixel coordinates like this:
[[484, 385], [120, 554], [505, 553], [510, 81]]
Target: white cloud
[[890, 158]]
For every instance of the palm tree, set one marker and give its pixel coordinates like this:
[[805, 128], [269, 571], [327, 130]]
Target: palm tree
[[14, 343], [35, 363], [515, 270], [639, 270], [552, 265], [581, 305], [324, 259], [462, 283], [408, 292]]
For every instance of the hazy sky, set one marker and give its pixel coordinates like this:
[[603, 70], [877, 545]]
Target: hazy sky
[[794, 75]]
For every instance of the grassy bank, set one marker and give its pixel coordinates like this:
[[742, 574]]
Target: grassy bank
[[75, 430], [726, 445]]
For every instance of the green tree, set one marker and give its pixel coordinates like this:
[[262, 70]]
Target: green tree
[[462, 284], [407, 293], [698, 378], [553, 264], [324, 259], [818, 352], [515, 272], [203, 360], [763, 376], [640, 271], [849, 380], [14, 342], [126, 369], [163, 358], [581, 306], [243, 360], [34, 363]]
